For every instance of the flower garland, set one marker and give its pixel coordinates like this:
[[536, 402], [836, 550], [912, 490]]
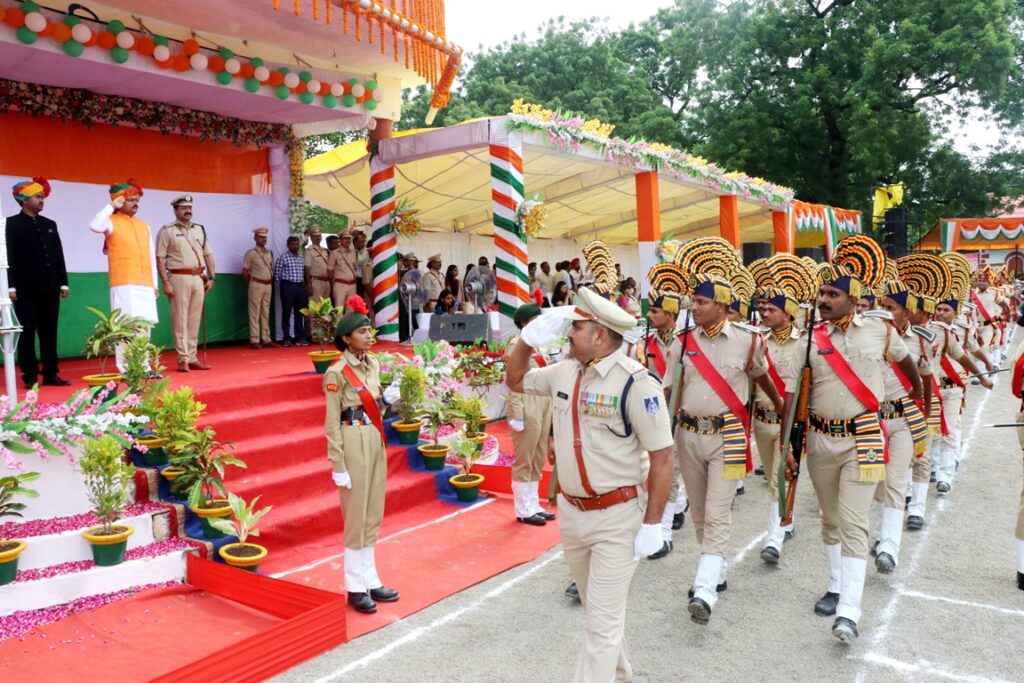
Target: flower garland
[[667, 250], [405, 219], [531, 217], [569, 132]]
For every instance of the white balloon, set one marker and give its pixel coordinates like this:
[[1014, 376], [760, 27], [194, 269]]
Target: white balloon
[[35, 21], [404, 23], [337, 89], [126, 40], [375, 9], [199, 61], [414, 29], [313, 86], [232, 65], [261, 73], [429, 36], [378, 94], [364, 4], [385, 14], [161, 53], [358, 90], [81, 33], [396, 18], [291, 79]]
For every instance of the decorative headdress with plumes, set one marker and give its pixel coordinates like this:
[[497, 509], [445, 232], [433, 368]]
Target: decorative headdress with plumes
[[668, 284], [791, 280], [356, 304], [709, 264], [926, 275], [602, 266], [857, 260], [960, 269], [743, 287]]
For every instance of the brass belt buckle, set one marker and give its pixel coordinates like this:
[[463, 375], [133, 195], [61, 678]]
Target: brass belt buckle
[[837, 428], [705, 424]]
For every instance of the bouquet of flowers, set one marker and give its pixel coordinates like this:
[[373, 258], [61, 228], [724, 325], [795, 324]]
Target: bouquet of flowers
[[405, 219], [531, 217]]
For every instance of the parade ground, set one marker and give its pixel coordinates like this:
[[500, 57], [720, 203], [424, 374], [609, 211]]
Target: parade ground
[[950, 611]]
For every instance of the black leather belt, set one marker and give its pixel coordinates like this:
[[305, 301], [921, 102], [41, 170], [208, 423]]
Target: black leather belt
[[710, 424], [835, 428], [986, 323], [947, 383], [767, 416], [352, 414], [890, 410]]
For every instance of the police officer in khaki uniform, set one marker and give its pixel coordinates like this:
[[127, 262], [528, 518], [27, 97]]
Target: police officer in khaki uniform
[[318, 282], [607, 444], [529, 419], [185, 263], [342, 267], [1017, 387], [433, 282], [356, 449], [258, 274]]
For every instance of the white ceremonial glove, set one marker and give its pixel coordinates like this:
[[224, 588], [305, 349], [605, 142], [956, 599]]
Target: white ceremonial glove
[[648, 541], [542, 330], [392, 393], [516, 425], [342, 480]]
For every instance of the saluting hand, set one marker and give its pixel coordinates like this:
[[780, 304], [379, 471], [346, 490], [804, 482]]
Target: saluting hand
[[118, 202]]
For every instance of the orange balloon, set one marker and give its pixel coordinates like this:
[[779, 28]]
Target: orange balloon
[[144, 46], [47, 30], [166, 64], [295, 90], [107, 40], [276, 79], [190, 47], [246, 71], [93, 39], [216, 64], [61, 32], [300, 88], [325, 89], [14, 18], [181, 63]]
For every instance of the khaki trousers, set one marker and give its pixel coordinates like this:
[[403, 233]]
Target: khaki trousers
[[892, 493], [1019, 533], [701, 461], [921, 467], [186, 314], [844, 499], [945, 450], [531, 444], [362, 506], [985, 336], [766, 436], [321, 289], [598, 548], [343, 292], [259, 312]]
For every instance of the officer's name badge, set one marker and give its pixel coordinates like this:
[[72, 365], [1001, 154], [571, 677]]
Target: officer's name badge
[[651, 405]]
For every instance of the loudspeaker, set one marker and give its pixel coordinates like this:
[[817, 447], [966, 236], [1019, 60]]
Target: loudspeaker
[[755, 250], [460, 329], [894, 236], [816, 253]]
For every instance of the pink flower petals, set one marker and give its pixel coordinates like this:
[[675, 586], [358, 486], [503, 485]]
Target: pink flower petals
[[171, 545], [57, 525]]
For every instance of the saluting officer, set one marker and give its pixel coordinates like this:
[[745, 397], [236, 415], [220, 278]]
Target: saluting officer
[[612, 434], [258, 274]]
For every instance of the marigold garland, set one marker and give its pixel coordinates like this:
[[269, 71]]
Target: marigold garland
[[531, 217], [405, 219]]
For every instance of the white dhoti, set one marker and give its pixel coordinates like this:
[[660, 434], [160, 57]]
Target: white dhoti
[[133, 300]]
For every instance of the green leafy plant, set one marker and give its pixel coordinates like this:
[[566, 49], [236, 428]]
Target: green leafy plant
[[323, 317], [244, 518], [412, 387], [429, 349], [204, 460], [176, 414], [107, 479], [142, 366], [14, 485], [435, 414], [466, 451], [111, 330], [470, 410]]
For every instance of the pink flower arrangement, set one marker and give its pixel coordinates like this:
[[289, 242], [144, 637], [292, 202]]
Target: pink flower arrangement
[[56, 525], [171, 545]]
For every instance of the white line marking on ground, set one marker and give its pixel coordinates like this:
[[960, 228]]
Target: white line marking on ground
[[750, 546], [421, 631], [403, 532], [924, 667], [965, 603]]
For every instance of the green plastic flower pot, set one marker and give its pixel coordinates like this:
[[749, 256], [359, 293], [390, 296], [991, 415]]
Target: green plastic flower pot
[[467, 486], [109, 555], [208, 530], [154, 457], [408, 433], [434, 463], [468, 495], [8, 571]]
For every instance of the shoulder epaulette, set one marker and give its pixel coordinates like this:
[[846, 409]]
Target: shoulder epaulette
[[748, 328], [924, 333], [941, 325], [878, 313]]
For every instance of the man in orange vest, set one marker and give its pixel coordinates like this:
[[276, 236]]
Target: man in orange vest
[[128, 245]]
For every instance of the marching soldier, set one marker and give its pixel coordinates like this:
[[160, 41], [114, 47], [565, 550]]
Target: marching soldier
[[258, 274], [185, 263], [342, 267], [611, 434], [318, 282], [991, 309], [1017, 387]]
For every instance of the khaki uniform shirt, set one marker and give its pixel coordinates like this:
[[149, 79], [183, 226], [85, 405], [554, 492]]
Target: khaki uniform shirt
[[947, 343], [182, 247], [341, 395], [921, 351], [521, 406], [728, 353], [669, 351], [316, 258], [611, 461], [990, 299], [864, 348], [259, 263], [433, 282], [787, 361], [341, 265]]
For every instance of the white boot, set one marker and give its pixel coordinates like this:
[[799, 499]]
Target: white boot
[[1020, 556], [876, 522], [851, 588], [354, 582], [666, 522], [776, 532], [710, 573], [521, 499], [891, 537], [918, 499], [681, 502], [370, 578], [833, 565]]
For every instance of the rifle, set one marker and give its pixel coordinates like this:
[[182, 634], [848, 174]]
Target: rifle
[[794, 432], [677, 376]]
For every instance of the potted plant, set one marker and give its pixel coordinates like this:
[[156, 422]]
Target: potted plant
[[467, 484], [435, 452], [107, 480], [242, 524], [412, 388], [175, 414], [203, 460], [11, 486], [107, 333], [142, 376], [323, 318], [470, 410]]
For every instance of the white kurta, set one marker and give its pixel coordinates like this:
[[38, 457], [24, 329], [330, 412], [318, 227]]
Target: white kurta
[[134, 300]]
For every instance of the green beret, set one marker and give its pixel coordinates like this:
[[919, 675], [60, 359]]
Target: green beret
[[350, 323], [525, 312]]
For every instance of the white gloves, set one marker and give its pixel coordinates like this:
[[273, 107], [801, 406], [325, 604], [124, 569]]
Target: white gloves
[[342, 480], [391, 394], [516, 425], [542, 330], [648, 541]]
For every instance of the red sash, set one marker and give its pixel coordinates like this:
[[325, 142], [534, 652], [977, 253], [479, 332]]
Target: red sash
[[1018, 372], [942, 410], [719, 386], [981, 307], [368, 401], [905, 381], [657, 355], [773, 374], [843, 370], [951, 373], [538, 358]]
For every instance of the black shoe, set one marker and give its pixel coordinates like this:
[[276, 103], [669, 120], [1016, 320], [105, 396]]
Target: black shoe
[[718, 589], [759, 471], [362, 602], [666, 548], [885, 563], [532, 520], [302, 343], [548, 516], [906, 506], [741, 490], [931, 477], [678, 520], [29, 381], [383, 594], [826, 607], [1020, 581], [286, 343], [942, 487], [572, 591], [845, 629], [874, 549], [55, 381], [770, 554], [915, 523], [699, 610]]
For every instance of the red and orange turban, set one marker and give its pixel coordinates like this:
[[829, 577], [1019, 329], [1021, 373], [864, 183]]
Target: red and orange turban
[[128, 188], [30, 188]]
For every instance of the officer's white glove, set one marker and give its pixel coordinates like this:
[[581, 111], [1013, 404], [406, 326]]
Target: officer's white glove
[[516, 425], [392, 393], [542, 330], [342, 480], [648, 541]]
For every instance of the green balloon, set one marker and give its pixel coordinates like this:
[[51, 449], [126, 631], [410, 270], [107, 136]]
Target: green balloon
[[72, 20], [73, 48], [306, 97], [371, 84], [256, 61], [284, 70], [115, 26], [282, 92], [252, 85], [329, 101], [161, 40], [305, 76], [27, 35], [353, 81], [226, 54], [29, 6], [119, 55], [370, 104], [348, 100], [223, 77]]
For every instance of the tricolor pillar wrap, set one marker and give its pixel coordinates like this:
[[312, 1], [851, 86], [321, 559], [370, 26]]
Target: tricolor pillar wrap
[[383, 249], [510, 262], [784, 238], [648, 226], [729, 218]]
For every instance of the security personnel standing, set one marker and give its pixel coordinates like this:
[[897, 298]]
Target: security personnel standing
[[342, 267], [356, 449], [612, 434], [185, 263], [529, 419], [258, 274], [318, 282]]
